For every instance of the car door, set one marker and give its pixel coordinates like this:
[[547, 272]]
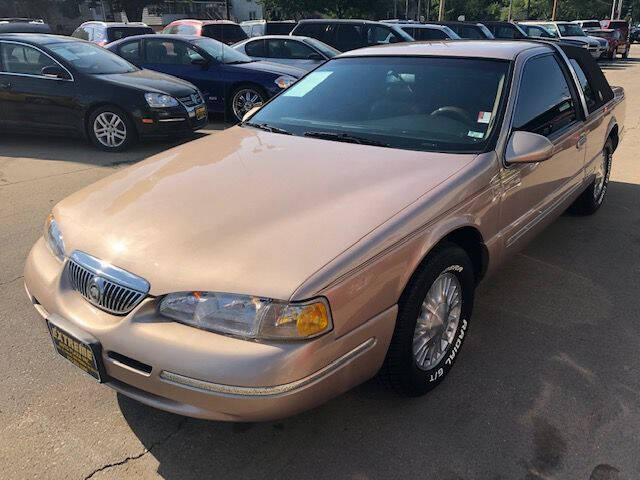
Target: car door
[[176, 57], [534, 192], [31, 99]]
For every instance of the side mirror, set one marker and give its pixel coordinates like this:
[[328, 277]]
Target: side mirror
[[527, 147], [200, 61], [250, 114], [55, 71], [315, 56]]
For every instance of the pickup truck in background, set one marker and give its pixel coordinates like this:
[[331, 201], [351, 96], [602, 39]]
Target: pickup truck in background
[[347, 224]]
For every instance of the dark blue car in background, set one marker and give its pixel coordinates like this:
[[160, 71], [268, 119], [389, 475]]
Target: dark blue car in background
[[231, 82]]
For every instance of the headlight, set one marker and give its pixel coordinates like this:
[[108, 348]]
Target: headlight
[[53, 237], [159, 100], [285, 81], [248, 317]]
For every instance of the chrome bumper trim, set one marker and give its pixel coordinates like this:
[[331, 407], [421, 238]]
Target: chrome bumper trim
[[210, 387], [166, 120]]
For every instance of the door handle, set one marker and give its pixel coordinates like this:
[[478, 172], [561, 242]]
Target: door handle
[[5, 86], [582, 139]]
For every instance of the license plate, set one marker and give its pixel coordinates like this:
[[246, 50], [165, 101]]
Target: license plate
[[201, 112], [83, 354]]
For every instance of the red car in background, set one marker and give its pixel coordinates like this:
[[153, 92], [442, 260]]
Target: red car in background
[[613, 38], [623, 27], [224, 31]]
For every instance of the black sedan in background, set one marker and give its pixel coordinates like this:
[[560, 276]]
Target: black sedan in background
[[63, 85]]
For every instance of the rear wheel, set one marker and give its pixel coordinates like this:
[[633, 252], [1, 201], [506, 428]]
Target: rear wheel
[[433, 320], [593, 197], [110, 129]]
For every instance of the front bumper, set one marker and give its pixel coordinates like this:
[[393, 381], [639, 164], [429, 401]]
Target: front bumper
[[180, 120], [203, 374]]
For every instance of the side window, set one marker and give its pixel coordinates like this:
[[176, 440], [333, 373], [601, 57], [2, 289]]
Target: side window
[[545, 104], [80, 33], [291, 49], [378, 35], [23, 59], [431, 34], [589, 95], [169, 52], [348, 37], [255, 48], [130, 51], [185, 29], [471, 32], [505, 32]]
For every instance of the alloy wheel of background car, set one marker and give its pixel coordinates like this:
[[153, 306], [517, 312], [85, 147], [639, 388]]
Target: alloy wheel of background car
[[433, 319], [110, 129], [244, 99], [593, 197]]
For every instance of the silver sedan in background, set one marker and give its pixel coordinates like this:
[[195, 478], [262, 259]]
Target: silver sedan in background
[[302, 52]]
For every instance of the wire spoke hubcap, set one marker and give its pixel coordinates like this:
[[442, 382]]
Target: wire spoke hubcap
[[601, 175], [244, 100], [438, 321], [110, 129]]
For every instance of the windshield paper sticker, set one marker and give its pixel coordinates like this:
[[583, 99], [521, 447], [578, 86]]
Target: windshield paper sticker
[[310, 82], [473, 134], [484, 117]]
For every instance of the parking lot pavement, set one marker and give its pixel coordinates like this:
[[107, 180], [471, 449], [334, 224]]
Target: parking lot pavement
[[546, 387]]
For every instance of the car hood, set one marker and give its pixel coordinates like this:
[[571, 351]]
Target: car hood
[[589, 40], [271, 67], [245, 211], [149, 81]]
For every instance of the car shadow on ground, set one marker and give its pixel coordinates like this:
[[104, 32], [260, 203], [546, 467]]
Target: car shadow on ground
[[70, 149], [618, 63], [547, 378]]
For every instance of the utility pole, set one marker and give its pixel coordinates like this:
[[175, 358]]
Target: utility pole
[[555, 10], [426, 18], [613, 10], [418, 12], [395, 8], [441, 11], [528, 9], [510, 10], [619, 9], [406, 9]]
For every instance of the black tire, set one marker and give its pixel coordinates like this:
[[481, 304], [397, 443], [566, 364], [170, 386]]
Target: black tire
[[231, 114], [131, 135], [589, 202], [400, 370]]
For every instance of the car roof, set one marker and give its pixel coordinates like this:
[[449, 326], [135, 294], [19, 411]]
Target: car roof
[[300, 38], [204, 22], [337, 20], [161, 36], [116, 24], [37, 38], [418, 25], [494, 49]]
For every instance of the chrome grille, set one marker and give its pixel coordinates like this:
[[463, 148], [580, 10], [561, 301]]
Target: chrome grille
[[107, 287], [191, 100]]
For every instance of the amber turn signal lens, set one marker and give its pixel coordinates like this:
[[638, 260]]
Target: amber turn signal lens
[[313, 319]]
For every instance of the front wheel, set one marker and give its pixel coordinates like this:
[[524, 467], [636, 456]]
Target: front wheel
[[110, 129], [433, 320], [593, 197], [243, 99]]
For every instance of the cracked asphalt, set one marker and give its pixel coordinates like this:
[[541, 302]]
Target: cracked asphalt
[[546, 387]]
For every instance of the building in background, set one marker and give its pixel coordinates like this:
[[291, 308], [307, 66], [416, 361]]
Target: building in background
[[163, 12]]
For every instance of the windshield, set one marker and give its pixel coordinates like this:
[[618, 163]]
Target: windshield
[[225, 32], [411, 103], [279, 28], [92, 59], [570, 30], [221, 52], [328, 51], [602, 34]]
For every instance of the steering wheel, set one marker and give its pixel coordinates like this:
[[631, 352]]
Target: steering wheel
[[456, 113]]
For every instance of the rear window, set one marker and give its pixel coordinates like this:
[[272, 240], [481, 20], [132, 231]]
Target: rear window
[[116, 33], [279, 28], [618, 24], [224, 32], [593, 24]]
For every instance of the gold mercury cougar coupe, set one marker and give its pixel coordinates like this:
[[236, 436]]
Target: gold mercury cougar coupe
[[337, 233]]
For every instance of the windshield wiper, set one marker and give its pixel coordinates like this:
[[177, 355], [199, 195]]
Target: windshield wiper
[[345, 137], [268, 128]]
